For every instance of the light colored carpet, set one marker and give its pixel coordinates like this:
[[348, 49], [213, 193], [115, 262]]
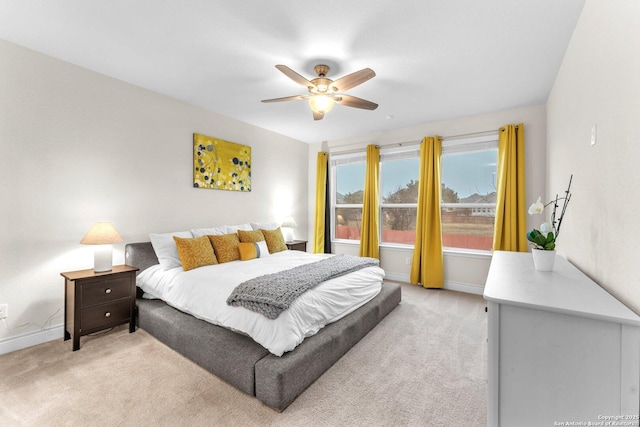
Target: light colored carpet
[[423, 365]]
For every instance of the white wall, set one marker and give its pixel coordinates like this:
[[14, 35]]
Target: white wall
[[77, 147], [462, 272], [599, 84]]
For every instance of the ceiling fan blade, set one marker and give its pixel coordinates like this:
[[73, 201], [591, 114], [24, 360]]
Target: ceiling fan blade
[[353, 79], [318, 116], [295, 76], [286, 98], [352, 101]]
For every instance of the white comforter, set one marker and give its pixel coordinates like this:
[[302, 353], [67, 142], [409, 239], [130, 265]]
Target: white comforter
[[202, 292]]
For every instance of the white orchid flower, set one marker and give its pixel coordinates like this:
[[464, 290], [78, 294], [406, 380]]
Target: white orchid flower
[[545, 228], [537, 207]]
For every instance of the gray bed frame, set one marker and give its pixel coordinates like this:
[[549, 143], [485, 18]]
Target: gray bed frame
[[245, 364]]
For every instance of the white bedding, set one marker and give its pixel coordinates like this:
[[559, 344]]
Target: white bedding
[[202, 292]]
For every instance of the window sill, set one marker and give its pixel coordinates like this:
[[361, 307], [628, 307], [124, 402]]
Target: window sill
[[468, 253], [346, 242], [456, 252]]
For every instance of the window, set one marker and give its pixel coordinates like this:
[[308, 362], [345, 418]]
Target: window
[[348, 192], [399, 168], [468, 207], [468, 203]]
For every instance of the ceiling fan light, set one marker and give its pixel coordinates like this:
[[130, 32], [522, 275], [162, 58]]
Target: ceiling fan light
[[321, 103]]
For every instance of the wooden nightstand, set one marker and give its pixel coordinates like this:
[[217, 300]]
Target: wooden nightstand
[[297, 245], [95, 301]]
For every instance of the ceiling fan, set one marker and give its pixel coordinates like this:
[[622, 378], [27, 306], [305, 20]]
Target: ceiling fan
[[324, 92]]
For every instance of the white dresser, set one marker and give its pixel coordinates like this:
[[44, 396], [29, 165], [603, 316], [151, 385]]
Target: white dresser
[[561, 349]]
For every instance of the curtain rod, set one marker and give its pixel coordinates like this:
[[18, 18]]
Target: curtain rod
[[410, 143], [466, 135], [446, 138]]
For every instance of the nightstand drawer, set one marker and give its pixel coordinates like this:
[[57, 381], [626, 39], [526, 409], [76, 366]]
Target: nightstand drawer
[[105, 291], [297, 245], [103, 315]]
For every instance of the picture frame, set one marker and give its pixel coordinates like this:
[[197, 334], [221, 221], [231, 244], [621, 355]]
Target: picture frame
[[220, 164]]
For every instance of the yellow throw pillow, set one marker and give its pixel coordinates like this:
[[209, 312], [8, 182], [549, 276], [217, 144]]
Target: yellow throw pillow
[[275, 240], [226, 247], [195, 252], [250, 236], [248, 251], [252, 250]]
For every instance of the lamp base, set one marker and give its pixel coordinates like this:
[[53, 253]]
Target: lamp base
[[103, 258], [287, 233]]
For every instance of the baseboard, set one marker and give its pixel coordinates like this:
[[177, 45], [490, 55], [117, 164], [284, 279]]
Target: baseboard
[[30, 339], [397, 277], [451, 286], [464, 287]]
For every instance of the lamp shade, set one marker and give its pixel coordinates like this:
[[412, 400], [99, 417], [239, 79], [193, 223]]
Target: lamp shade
[[289, 222], [102, 233]]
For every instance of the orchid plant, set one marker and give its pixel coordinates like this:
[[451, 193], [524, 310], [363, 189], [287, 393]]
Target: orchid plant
[[545, 238]]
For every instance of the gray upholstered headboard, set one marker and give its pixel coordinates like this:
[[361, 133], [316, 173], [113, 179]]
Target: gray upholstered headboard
[[140, 255]]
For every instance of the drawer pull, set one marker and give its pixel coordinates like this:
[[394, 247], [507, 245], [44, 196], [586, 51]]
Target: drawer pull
[[107, 314], [107, 291]]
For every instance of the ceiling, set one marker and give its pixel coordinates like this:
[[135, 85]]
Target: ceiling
[[434, 59]]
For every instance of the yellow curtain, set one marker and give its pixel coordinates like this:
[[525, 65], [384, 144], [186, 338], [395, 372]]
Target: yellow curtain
[[369, 231], [427, 267], [321, 196], [510, 226]]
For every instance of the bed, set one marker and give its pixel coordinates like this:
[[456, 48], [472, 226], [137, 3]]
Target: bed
[[274, 379]]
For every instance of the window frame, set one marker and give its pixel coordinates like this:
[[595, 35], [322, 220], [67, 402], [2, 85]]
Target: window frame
[[336, 160], [466, 145], [455, 145], [402, 152]]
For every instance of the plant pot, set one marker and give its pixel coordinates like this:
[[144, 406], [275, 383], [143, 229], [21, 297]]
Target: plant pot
[[543, 260]]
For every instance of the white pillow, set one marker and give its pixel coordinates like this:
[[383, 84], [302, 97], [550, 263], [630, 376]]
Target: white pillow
[[264, 225], [215, 231], [263, 249], [166, 249], [234, 228]]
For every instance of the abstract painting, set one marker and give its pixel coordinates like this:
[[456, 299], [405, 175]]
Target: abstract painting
[[221, 165]]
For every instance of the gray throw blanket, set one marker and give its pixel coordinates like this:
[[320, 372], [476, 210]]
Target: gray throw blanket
[[271, 294]]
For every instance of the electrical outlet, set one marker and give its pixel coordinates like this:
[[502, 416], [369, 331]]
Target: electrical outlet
[[4, 311]]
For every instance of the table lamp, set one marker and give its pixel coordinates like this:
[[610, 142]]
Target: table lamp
[[288, 225], [103, 235]]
